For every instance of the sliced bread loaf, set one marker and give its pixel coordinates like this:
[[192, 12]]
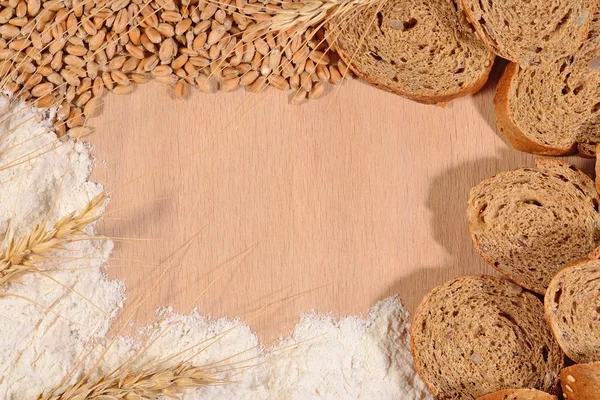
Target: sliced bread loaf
[[572, 306], [423, 50], [581, 381], [531, 32], [529, 222], [476, 335], [518, 394], [553, 109]]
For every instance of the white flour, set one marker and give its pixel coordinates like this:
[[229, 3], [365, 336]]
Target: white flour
[[352, 358], [38, 343]]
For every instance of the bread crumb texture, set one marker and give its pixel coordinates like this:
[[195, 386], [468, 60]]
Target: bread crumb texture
[[554, 108], [424, 50], [572, 305], [531, 32], [476, 335], [530, 222]]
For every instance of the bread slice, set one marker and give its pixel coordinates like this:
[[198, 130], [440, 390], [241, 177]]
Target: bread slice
[[476, 335], [529, 222], [581, 381], [554, 108], [531, 32], [518, 394], [572, 306], [423, 50]]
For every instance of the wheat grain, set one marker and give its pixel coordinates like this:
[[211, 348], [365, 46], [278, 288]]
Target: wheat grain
[[60, 50], [299, 96], [317, 90]]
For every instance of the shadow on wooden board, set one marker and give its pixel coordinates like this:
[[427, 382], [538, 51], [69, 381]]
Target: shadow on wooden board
[[447, 200], [413, 287], [481, 99]]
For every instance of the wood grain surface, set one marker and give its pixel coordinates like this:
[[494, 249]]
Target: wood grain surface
[[328, 206]]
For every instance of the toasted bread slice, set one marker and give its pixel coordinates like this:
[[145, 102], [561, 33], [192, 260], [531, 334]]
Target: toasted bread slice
[[530, 222], [581, 381], [476, 335], [531, 32], [554, 108], [518, 394], [423, 50]]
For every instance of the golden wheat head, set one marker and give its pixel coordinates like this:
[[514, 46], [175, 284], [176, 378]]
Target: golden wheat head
[[307, 13], [24, 254], [169, 382]]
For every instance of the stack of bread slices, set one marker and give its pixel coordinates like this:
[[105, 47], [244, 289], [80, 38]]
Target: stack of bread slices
[[509, 337], [495, 338], [433, 51]]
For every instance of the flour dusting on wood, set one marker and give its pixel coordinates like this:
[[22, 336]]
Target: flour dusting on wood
[[47, 328]]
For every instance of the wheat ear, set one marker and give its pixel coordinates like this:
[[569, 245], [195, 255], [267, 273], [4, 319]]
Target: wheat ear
[[169, 382], [306, 13], [22, 255]]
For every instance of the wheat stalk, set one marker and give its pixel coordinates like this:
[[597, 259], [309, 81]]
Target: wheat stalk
[[171, 382], [307, 13], [22, 255]]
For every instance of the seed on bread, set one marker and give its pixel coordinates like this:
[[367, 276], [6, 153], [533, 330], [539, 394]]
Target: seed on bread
[[581, 381], [529, 222], [422, 50], [572, 309], [475, 335]]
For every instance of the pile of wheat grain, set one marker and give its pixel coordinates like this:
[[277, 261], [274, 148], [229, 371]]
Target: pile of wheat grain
[[70, 52]]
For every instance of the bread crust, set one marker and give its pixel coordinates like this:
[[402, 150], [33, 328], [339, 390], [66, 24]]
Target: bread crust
[[585, 151], [518, 394], [439, 100], [547, 163], [495, 48], [515, 136], [581, 381], [509, 129]]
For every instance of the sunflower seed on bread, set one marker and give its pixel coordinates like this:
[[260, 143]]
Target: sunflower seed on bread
[[581, 381]]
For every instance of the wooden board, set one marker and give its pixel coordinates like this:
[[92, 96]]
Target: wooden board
[[331, 205]]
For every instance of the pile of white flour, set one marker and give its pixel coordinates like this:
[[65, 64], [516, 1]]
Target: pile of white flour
[[41, 337], [46, 323]]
